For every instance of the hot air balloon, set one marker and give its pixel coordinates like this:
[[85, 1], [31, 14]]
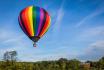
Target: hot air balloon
[[34, 21]]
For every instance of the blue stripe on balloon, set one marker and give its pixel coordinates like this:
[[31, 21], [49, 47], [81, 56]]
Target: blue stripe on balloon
[[37, 19]]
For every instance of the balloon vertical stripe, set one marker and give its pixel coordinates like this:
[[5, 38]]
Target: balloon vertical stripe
[[23, 26], [23, 16], [30, 20], [41, 20], [37, 19], [34, 20], [20, 23], [27, 21], [44, 20]]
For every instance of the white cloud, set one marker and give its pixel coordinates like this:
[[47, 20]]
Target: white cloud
[[94, 51], [99, 45], [10, 36], [93, 40], [90, 33]]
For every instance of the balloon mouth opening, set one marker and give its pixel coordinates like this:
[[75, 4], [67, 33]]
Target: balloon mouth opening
[[35, 38]]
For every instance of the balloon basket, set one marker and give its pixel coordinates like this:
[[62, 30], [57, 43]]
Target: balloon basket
[[34, 45]]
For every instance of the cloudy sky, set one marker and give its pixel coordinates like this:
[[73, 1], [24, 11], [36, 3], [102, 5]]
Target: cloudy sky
[[76, 31]]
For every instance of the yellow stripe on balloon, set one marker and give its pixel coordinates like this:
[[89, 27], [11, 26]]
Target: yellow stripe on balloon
[[30, 20]]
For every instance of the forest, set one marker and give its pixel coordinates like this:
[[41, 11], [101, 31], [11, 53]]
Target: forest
[[10, 62]]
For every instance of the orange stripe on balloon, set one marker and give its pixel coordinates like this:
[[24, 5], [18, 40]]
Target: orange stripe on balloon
[[24, 17], [27, 21], [30, 20], [46, 25]]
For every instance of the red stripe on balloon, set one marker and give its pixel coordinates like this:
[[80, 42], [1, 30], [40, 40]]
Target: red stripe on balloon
[[45, 25], [25, 22], [22, 24]]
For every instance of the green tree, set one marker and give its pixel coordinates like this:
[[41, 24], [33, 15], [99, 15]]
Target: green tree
[[101, 63]]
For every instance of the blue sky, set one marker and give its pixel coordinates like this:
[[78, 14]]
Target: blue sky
[[76, 31]]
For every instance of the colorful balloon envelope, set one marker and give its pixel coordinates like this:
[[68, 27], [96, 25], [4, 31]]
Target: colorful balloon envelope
[[34, 22]]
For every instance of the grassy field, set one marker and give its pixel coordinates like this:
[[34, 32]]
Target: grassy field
[[61, 64]]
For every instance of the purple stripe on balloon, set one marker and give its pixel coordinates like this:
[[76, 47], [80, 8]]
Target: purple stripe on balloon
[[41, 20]]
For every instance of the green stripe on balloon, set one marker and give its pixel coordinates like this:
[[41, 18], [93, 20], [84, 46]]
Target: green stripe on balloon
[[34, 20]]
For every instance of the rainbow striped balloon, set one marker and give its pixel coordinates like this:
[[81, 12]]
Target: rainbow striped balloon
[[34, 22]]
